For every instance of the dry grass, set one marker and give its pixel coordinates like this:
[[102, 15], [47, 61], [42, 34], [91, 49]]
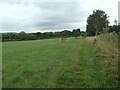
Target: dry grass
[[107, 47]]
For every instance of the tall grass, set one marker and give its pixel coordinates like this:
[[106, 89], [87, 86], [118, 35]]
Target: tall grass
[[107, 47]]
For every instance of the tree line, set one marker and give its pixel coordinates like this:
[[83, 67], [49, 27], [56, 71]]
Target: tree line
[[97, 23], [39, 35]]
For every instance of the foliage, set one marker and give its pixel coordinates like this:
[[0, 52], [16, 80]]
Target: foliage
[[83, 33], [76, 32], [114, 28], [65, 33], [35, 36], [96, 22], [105, 30]]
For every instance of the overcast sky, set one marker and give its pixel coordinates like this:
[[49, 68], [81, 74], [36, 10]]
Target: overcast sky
[[51, 15]]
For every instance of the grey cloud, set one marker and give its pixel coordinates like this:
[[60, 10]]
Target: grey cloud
[[55, 15], [60, 13]]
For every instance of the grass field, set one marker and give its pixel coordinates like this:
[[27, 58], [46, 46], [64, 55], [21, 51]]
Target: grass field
[[49, 63]]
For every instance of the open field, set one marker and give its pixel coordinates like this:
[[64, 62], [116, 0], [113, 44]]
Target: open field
[[77, 63]]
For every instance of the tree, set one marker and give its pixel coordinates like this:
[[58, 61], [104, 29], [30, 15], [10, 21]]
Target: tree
[[65, 33], [31, 36], [114, 28], [96, 22], [76, 33], [38, 35], [83, 33], [22, 35], [57, 34], [50, 34]]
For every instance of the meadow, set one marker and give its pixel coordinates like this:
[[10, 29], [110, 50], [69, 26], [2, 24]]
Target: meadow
[[76, 63]]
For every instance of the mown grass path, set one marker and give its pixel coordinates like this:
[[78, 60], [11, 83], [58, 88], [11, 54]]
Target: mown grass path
[[81, 68], [52, 64]]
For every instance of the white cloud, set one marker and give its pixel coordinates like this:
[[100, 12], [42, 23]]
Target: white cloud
[[109, 6]]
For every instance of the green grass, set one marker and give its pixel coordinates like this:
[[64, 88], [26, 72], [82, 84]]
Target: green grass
[[52, 64], [0, 65]]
